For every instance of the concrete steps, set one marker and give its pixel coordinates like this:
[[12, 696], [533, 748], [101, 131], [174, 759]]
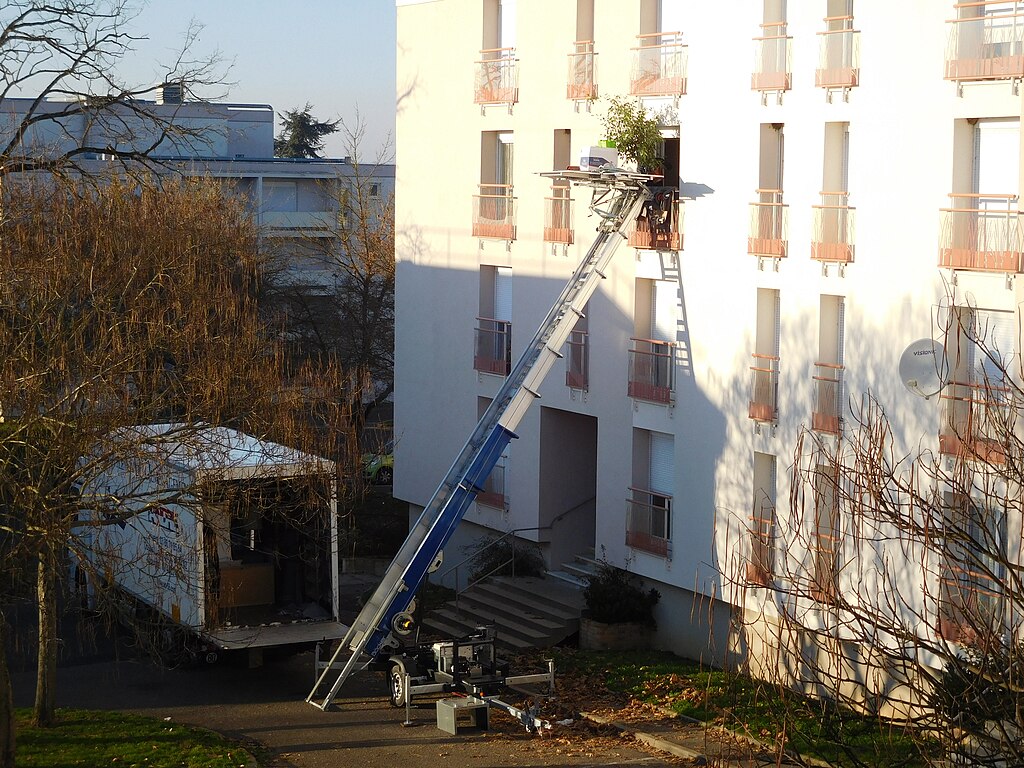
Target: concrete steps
[[526, 612], [577, 572]]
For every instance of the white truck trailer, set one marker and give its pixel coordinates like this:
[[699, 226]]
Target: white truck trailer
[[229, 538]]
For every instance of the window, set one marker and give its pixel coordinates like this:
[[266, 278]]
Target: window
[[493, 346], [761, 564], [764, 383], [772, 52], [832, 239], [496, 70], [652, 356], [829, 398], [769, 217], [577, 369], [649, 506], [494, 491], [280, 196], [973, 568], [494, 205], [825, 542]]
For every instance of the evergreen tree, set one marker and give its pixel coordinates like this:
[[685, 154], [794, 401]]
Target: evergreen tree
[[302, 135]]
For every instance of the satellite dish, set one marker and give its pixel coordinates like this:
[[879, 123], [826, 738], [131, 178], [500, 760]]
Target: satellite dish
[[923, 368]]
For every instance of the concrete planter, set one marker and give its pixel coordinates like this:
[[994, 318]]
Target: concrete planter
[[625, 636]]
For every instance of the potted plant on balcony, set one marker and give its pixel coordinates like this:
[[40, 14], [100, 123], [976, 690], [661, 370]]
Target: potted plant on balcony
[[634, 133], [619, 614]]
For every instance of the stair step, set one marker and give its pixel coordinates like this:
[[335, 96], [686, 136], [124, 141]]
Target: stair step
[[544, 592], [528, 601], [448, 624], [506, 624], [568, 578], [581, 572], [484, 603]]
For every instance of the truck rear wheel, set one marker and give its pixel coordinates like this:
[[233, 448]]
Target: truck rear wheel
[[396, 686]]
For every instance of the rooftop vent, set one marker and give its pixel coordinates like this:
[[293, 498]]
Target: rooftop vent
[[170, 93]]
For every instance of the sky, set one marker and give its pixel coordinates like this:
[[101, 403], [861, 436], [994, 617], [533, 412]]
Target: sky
[[338, 55]]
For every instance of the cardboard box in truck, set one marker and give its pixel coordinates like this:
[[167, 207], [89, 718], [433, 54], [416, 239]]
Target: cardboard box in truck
[[232, 538]]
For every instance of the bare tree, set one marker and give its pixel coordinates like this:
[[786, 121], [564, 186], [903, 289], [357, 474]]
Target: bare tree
[[126, 304], [62, 57], [891, 583]]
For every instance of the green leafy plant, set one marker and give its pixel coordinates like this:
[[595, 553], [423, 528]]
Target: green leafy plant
[[634, 132], [612, 596]]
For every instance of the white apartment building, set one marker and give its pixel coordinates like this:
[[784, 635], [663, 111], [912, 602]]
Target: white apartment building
[[849, 173]]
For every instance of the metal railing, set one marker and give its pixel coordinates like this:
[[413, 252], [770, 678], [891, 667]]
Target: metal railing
[[497, 77], [981, 232], [977, 415], [838, 54], [558, 216], [652, 370], [659, 227], [577, 361], [828, 398], [762, 531], [649, 522], [494, 212], [659, 65], [582, 81], [769, 225], [833, 228], [986, 41], [764, 388], [773, 52], [492, 350]]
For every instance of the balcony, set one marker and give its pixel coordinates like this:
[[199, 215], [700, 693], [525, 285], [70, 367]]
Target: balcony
[[828, 398], [976, 416], [558, 221], [759, 567], [981, 232], [764, 388], [772, 55], [652, 370], [577, 370], [838, 54], [493, 493], [497, 77], [649, 522], [769, 225], [986, 42], [494, 212], [305, 223], [493, 347], [659, 65], [832, 238], [659, 227], [581, 83]]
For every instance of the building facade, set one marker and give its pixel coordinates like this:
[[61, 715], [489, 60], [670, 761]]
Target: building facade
[[842, 179]]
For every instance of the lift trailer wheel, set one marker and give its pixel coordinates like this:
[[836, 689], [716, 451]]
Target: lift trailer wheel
[[396, 685]]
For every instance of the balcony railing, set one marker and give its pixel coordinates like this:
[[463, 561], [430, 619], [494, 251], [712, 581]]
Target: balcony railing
[[659, 65], [649, 522], [660, 224], [828, 398], [833, 228], [582, 81], [311, 223], [764, 388], [839, 54], [497, 77], [772, 55], [494, 212], [558, 222], [769, 225], [981, 232], [986, 42], [493, 347], [652, 370], [493, 493], [976, 415], [760, 565], [577, 364]]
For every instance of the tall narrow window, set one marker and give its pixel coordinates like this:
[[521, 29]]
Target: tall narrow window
[[582, 82], [762, 521], [829, 399], [764, 383], [772, 52], [493, 347], [839, 50], [494, 205], [659, 57], [558, 220], [769, 216], [652, 356], [649, 507], [497, 76], [493, 493], [986, 42], [825, 576], [832, 239], [577, 368]]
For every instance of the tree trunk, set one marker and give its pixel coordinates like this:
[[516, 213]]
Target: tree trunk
[[46, 665], [7, 728]]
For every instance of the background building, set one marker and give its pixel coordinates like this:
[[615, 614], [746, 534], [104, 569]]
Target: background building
[[849, 173]]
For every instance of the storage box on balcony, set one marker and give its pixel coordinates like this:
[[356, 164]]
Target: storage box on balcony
[[596, 158]]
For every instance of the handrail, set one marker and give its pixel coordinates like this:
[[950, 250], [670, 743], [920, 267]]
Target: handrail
[[496, 50], [661, 342], [760, 356], [650, 492], [768, 191], [648, 35], [1008, 196]]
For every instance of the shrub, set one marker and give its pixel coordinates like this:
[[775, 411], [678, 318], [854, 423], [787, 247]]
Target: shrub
[[636, 135], [612, 597]]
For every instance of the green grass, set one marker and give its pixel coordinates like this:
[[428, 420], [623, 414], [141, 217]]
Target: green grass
[[763, 711], [89, 738]]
